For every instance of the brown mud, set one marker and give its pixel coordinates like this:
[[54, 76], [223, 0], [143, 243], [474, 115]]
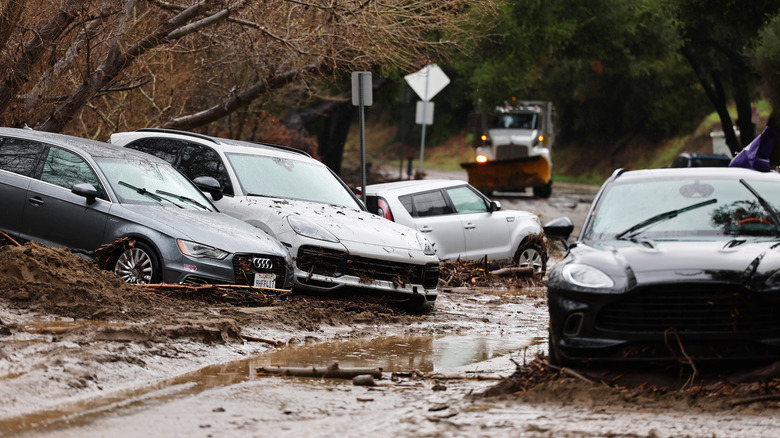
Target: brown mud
[[69, 330]]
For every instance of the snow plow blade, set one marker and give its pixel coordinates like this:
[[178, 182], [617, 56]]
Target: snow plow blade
[[511, 175]]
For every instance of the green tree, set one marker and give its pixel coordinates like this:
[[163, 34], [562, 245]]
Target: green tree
[[718, 39]]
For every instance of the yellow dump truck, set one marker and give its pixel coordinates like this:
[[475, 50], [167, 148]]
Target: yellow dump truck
[[512, 149]]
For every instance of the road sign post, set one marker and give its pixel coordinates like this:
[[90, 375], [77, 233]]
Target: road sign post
[[426, 83], [361, 97]]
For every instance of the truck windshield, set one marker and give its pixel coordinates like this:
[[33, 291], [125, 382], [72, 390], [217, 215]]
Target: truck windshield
[[513, 121]]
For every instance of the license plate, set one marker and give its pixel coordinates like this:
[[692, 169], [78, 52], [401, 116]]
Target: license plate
[[265, 280]]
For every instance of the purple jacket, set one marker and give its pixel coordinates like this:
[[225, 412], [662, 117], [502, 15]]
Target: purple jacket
[[756, 154]]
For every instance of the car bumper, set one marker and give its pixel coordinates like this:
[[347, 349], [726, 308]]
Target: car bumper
[[320, 269], [709, 324], [235, 269]]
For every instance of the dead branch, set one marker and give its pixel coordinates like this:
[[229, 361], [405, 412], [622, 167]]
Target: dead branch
[[331, 372], [755, 399], [513, 270], [6, 238], [267, 341], [688, 360]]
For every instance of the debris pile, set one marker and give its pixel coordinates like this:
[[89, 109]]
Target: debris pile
[[473, 274], [734, 389]]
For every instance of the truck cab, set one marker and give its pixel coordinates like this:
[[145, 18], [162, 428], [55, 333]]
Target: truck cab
[[512, 149]]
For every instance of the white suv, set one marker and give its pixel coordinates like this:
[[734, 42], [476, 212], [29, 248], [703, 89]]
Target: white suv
[[335, 242]]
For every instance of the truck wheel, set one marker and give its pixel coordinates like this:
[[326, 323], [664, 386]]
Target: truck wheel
[[543, 191], [531, 256]]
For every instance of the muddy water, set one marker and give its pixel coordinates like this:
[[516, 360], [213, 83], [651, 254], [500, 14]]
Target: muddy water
[[406, 354]]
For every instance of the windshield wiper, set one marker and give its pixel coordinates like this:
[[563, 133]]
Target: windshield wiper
[[183, 198], [143, 191], [662, 217], [763, 202]]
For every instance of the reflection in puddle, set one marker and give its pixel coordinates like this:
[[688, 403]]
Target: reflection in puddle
[[392, 354]]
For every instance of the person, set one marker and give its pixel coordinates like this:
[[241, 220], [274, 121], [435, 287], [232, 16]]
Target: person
[[762, 153]]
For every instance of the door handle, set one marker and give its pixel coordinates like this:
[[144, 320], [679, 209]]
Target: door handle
[[36, 200], [469, 226], [426, 229]]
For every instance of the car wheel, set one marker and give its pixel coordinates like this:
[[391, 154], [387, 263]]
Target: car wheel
[[531, 256], [138, 265]]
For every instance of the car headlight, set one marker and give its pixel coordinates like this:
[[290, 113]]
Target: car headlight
[[586, 276], [426, 245], [199, 250], [309, 229]]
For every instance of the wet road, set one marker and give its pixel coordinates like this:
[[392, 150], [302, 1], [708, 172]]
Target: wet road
[[472, 339]]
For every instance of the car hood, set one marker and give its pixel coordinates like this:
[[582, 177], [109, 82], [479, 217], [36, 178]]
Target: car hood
[[206, 227], [740, 259], [346, 224]]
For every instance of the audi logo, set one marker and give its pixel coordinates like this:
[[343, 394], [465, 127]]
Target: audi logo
[[260, 263]]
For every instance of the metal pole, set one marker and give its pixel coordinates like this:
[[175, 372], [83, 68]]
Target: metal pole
[[361, 106], [425, 107]]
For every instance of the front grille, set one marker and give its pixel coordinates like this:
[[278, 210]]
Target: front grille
[[691, 307], [320, 261], [245, 269], [509, 151]]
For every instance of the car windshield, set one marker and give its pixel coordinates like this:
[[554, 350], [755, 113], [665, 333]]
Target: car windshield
[[513, 121], [684, 209], [290, 179], [141, 181]]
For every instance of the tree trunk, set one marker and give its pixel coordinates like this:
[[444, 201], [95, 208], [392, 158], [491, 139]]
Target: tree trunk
[[717, 96], [43, 39], [333, 135]]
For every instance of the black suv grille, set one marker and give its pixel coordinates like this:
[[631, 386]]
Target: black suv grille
[[332, 263], [691, 307], [244, 268]]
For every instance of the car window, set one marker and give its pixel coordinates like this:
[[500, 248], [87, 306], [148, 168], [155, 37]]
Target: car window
[[277, 177], [466, 200], [164, 148], [429, 204], [66, 169], [733, 209], [198, 160], [19, 155], [406, 201], [161, 183]]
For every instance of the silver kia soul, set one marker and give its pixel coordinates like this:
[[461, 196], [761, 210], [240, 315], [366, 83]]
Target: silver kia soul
[[71, 192], [336, 244]]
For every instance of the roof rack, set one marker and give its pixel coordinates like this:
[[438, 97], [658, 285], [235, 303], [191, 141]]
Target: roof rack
[[278, 146], [176, 131], [215, 140]]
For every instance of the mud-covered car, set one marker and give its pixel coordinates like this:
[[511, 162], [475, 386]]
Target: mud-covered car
[[336, 244], [672, 264], [461, 222], [81, 194]]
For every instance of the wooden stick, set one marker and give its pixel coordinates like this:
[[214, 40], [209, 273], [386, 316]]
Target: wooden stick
[[332, 372], [513, 270], [267, 341], [756, 399]]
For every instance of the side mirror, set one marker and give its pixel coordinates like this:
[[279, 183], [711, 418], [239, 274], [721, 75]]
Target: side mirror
[[494, 206], [559, 229], [86, 190], [209, 185]]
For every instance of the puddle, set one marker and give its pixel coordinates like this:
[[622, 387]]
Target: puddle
[[392, 354]]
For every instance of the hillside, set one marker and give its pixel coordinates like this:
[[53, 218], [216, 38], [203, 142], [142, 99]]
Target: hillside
[[572, 161]]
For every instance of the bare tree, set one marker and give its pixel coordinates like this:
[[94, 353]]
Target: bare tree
[[91, 67]]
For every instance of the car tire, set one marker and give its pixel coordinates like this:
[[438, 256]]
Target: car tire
[[531, 255], [543, 191], [138, 265]]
